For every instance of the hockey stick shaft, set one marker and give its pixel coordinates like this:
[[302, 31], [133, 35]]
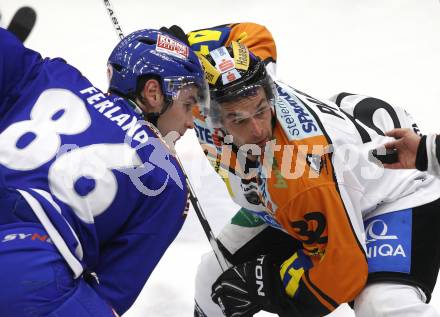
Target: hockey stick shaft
[[224, 264], [114, 19]]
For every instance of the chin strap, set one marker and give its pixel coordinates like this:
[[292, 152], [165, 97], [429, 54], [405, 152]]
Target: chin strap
[[151, 117], [134, 106]]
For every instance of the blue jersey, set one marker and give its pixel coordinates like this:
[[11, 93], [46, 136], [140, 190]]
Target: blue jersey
[[85, 165]]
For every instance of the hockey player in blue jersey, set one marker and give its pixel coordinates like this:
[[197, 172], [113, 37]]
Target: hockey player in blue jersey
[[88, 183]]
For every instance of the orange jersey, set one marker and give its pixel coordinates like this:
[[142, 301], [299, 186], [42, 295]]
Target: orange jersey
[[311, 190], [299, 188], [319, 183]]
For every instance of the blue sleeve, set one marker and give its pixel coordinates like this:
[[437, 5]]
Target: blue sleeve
[[129, 259], [17, 65]]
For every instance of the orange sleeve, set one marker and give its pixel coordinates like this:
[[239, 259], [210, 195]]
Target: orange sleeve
[[256, 37], [318, 218]]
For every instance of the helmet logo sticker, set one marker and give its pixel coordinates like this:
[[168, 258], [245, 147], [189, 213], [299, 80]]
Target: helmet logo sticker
[[168, 45], [241, 56], [230, 76], [211, 73], [223, 61], [225, 64]]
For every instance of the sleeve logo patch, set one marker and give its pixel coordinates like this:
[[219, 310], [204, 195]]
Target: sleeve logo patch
[[388, 242]]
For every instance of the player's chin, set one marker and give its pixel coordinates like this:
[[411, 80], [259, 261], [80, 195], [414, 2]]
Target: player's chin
[[179, 136], [175, 135], [261, 143]]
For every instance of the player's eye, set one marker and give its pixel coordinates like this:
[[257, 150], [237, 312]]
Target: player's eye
[[240, 121]]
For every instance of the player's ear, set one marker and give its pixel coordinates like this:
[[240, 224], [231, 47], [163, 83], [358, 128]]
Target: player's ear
[[152, 95]]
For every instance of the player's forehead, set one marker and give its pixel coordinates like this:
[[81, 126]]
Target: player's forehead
[[188, 92], [245, 105]]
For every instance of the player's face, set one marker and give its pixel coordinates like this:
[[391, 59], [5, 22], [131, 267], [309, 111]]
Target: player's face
[[249, 119], [179, 117]]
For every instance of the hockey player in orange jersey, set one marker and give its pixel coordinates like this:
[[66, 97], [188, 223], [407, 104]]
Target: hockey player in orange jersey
[[322, 222]]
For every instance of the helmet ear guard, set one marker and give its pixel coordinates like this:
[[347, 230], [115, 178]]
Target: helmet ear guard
[[232, 73]]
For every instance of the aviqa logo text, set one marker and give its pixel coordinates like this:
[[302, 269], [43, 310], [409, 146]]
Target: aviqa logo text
[[380, 243]]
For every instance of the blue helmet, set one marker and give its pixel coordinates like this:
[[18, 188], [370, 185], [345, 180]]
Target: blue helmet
[[151, 52]]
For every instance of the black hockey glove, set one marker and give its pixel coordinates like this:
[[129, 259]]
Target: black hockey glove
[[247, 288], [177, 32]]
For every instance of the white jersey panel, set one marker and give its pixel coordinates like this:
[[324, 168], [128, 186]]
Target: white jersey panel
[[379, 190]]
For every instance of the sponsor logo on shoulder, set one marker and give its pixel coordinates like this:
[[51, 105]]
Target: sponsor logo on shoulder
[[297, 121]]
